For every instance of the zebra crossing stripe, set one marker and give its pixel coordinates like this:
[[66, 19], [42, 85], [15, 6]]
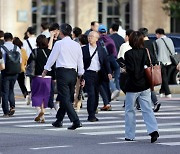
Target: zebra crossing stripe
[[47, 120], [148, 137], [170, 143], [122, 132]]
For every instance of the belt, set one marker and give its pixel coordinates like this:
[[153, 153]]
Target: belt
[[92, 71], [60, 68]]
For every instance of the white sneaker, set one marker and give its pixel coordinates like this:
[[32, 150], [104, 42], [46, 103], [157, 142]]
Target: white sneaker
[[28, 100], [56, 105], [52, 112], [161, 95], [114, 94], [169, 96]]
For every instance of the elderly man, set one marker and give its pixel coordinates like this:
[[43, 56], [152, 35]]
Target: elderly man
[[97, 68]]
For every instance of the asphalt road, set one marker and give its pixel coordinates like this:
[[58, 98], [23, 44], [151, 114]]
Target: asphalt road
[[21, 135]]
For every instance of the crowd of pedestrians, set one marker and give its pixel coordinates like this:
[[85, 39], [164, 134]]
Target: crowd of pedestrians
[[98, 63]]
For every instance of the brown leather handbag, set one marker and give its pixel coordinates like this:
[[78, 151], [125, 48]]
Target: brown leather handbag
[[153, 73]]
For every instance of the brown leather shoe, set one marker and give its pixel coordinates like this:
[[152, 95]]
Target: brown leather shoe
[[38, 118], [12, 111], [106, 108]]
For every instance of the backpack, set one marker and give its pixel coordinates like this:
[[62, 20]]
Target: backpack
[[12, 63]]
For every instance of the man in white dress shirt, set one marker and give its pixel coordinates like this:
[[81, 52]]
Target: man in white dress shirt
[[68, 57]]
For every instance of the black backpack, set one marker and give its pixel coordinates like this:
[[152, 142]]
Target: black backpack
[[12, 63]]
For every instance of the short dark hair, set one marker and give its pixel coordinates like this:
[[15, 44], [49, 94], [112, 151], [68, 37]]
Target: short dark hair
[[136, 40], [8, 36], [129, 31], [54, 26], [115, 27], [1, 33], [25, 36], [144, 31], [31, 30], [42, 41], [45, 25], [93, 23], [160, 31], [83, 39], [18, 42], [66, 29], [117, 21], [77, 31]]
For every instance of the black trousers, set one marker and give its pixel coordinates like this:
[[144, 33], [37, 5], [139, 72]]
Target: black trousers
[[92, 89], [21, 82], [66, 81], [105, 92], [8, 83], [166, 71]]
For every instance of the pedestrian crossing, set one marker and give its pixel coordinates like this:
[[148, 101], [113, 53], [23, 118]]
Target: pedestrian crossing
[[111, 123]]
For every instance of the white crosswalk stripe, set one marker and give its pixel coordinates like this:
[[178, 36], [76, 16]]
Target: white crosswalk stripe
[[110, 123]]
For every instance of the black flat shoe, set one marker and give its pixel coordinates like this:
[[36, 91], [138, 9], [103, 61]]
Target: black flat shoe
[[154, 135], [93, 119], [157, 107], [127, 139], [74, 126], [57, 123]]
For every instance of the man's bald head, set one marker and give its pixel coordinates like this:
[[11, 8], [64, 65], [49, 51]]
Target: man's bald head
[[94, 34], [93, 37]]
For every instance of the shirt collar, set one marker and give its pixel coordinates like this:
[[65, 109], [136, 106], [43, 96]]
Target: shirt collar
[[66, 38], [8, 42]]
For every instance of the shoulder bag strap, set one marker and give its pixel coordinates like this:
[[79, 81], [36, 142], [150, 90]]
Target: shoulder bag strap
[[167, 46], [29, 45], [93, 53], [44, 53], [149, 56], [5, 49], [103, 45]]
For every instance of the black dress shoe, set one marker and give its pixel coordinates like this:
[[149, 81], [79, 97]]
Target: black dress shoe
[[93, 119], [57, 123], [154, 135], [12, 111], [157, 107], [127, 139], [74, 126]]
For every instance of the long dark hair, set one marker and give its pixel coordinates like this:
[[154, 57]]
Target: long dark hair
[[18, 42], [136, 40]]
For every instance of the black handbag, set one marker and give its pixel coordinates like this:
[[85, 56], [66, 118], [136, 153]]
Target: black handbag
[[175, 59], [30, 68]]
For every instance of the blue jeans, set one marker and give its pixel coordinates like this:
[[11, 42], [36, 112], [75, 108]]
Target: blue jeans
[[8, 83], [116, 69], [144, 98], [114, 85]]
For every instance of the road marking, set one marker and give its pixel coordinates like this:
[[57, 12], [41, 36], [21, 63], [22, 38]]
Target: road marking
[[115, 126], [107, 143], [49, 120], [170, 143], [52, 147], [122, 132], [173, 117], [148, 137]]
